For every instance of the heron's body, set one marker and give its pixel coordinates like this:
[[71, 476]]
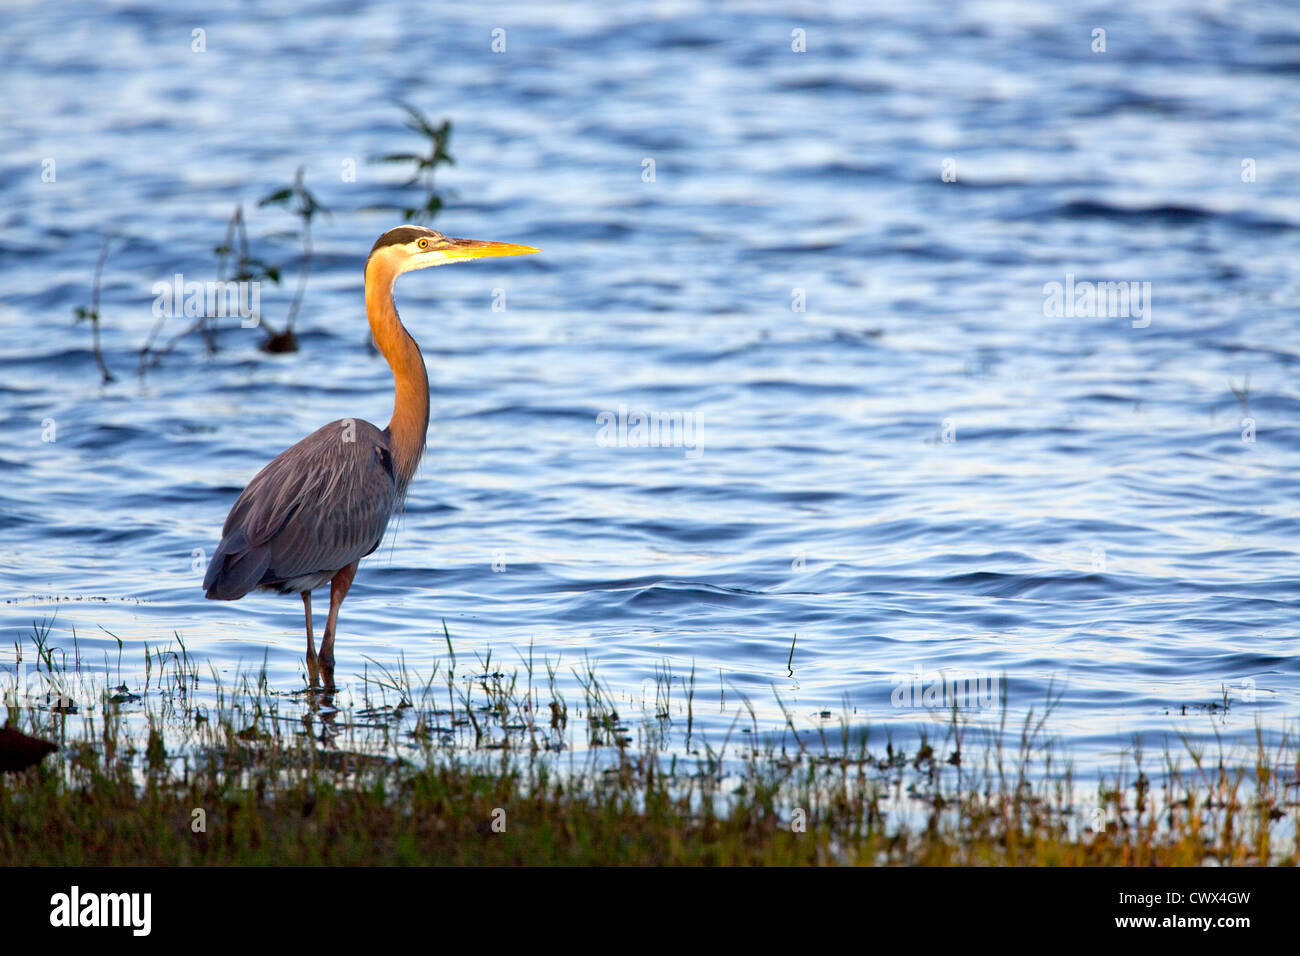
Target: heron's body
[[321, 506], [315, 509]]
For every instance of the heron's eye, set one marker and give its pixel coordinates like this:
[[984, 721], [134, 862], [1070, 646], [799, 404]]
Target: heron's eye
[[423, 243]]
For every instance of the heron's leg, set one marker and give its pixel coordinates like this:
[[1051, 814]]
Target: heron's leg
[[338, 591], [313, 668]]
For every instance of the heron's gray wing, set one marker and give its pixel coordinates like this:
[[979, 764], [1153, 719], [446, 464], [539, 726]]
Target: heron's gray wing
[[316, 508]]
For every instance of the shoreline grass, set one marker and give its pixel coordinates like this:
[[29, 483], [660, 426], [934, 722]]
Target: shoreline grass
[[482, 769]]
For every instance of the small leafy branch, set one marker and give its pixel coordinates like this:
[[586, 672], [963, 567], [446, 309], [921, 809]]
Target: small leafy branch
[[233, 252], [425, 165], [1242, 394], [248, 268], [300, 201], [91, 314]]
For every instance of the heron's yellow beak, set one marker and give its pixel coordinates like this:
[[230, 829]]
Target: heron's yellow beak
[[478, 249]]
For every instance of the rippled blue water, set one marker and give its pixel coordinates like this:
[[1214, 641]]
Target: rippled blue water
[[920, 469]]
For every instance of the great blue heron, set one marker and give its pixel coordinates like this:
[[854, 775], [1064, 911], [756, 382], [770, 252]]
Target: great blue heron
[[316, 510]]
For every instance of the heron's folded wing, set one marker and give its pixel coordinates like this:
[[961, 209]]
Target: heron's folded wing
[[320, 505]]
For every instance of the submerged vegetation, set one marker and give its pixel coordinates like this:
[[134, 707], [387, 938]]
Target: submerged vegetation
[[91, 313], [238, 269], [484, 767], [303, 204], [425, 165]]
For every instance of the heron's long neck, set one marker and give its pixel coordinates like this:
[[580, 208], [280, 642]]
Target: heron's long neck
[[411, 399]]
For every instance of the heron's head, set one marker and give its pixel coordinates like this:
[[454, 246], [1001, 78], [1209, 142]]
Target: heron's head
[[415, 247]]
